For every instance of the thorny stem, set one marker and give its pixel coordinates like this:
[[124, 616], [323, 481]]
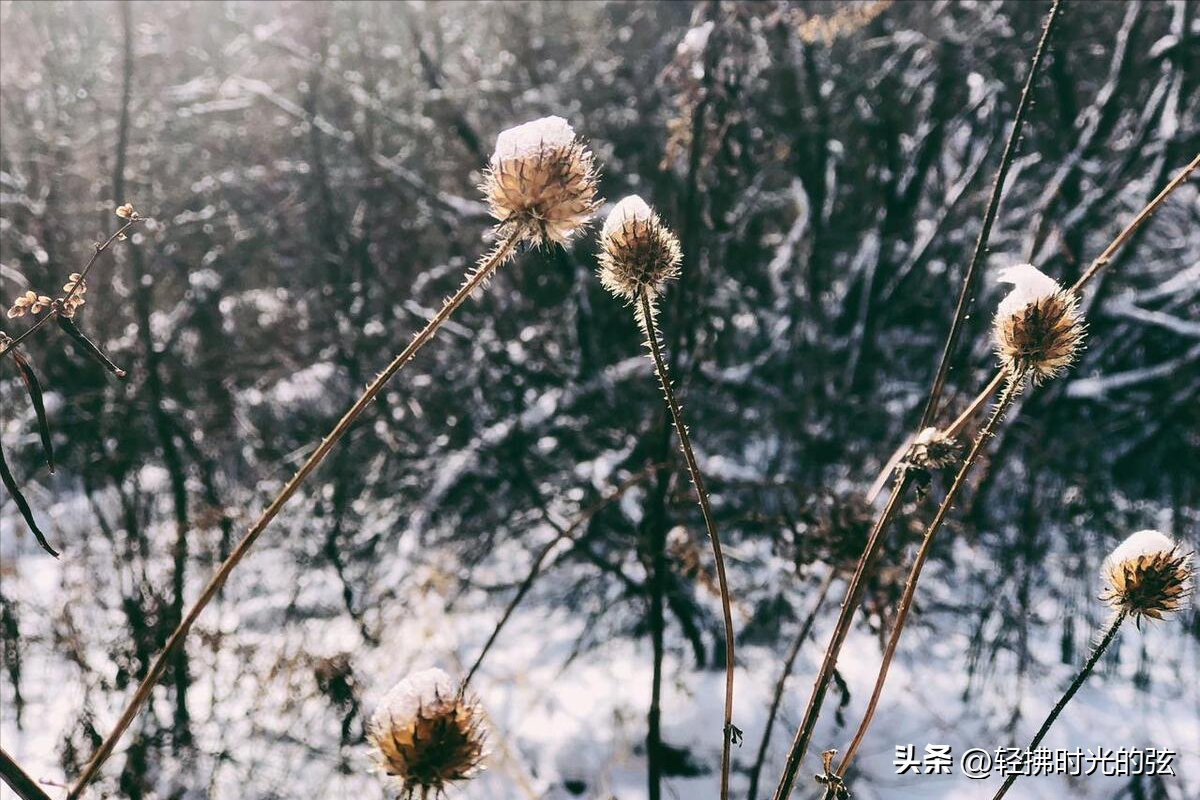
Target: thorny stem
[[854, 592], [910, 587], [536, 569], [1082, 676], [78, 285], [646, 314], [501, 253], [789, 662], [18, 780]]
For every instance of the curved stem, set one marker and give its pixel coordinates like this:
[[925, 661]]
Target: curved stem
[[536, 568], [646, 313], [910, 587], [501, 253], [1078, 681], [788, 662], [100, 248]]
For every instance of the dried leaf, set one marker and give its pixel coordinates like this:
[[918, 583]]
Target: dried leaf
[[89, 347], [34, 388], [10, 484]]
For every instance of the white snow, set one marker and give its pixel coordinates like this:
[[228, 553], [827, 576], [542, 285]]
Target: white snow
[[528, 139], [631, 207], [696, 39], [1139, 544], [406, 699], [1029, 284]]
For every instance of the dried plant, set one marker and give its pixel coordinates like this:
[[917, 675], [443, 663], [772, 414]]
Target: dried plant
[[427, 734], [1145, 576], [638, 255], [1038, 329], [541, 186], [63, 309]]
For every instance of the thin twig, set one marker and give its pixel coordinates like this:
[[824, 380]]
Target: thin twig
[[536, 568], [1082, 676], [75, 289], [788, 663], [910, 587], [18, 780], [646, 318], [474, 280], [854, 591]]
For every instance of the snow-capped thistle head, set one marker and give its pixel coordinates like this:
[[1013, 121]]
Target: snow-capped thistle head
[[426, 735], [638, 253], [1147, 576], [541, 182], [1038, 329]]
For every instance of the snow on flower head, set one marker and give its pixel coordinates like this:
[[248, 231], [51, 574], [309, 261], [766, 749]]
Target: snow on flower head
[[1038, 329], [532, 137], [1029, 284], [631, 207], [638, 253], [1147, 576], [426, 734], [541, 182]]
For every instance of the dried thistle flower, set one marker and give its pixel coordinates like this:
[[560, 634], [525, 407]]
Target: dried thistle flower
[[1038, 329], [30, 302], [638, 253], [541, 182], [933, 449], [1147, 576], [427, 735]]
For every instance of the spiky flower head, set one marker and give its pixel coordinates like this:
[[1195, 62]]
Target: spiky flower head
[[638, 253], [427, 735], [1038, 329], [1147, 576], [541, 182]]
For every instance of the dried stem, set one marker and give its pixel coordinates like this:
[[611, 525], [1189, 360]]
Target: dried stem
[[75, 289], [18, 780], [501, 253], [854, 591], [1082, 676], [536, 569], [910, 587], [788, 662], [646, 318]]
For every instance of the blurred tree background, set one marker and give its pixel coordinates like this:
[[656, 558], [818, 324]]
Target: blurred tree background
[[311, 172]]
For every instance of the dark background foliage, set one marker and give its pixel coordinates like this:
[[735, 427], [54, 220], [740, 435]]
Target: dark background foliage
[[311, 170]]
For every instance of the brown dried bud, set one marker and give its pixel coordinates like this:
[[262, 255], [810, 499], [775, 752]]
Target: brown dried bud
[[1147, 576], [637, 252], [933, 450], [1038, 329], [541, 183], [126, 212], [427, 735]]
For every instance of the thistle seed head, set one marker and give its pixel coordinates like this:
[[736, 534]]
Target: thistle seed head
[[541, 182], [426, 735], [1038, 329], [933, 450], [1147, 576], [637, 251]]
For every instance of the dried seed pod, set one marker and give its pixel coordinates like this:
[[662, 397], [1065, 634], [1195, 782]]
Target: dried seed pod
[[638, 253], [933, 450], [1147, 576], [427, 735], [541, 182], [1038, 329]]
